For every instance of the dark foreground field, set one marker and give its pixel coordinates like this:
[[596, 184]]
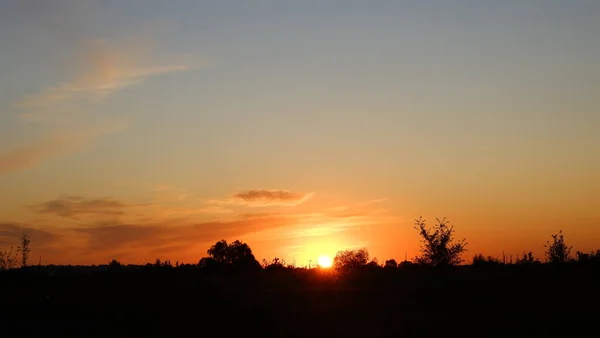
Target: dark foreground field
[[506, 301]]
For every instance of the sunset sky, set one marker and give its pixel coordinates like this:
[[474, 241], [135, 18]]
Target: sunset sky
[[147, 129]]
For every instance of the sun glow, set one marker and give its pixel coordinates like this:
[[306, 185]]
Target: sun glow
[[324, 261]]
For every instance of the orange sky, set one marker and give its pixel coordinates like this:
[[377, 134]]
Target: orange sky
[[296, 226]]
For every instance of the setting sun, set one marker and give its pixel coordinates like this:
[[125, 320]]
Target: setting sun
[[325, 261]]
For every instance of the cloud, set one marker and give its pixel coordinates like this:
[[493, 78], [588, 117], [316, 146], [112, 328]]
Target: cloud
[[75, 206], [105, 70], [137, 233], [258, 214], [115, 236], [215, 210], [185, 213], [101, 68], [10, 234], [53, 145], [266, 197], [375, 201]]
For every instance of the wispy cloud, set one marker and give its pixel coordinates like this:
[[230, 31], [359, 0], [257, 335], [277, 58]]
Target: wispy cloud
[[110, 237], [101, 68], [106, 69], [266, 197], [10, 234], [75, 206], [99, 229], [53, 145]]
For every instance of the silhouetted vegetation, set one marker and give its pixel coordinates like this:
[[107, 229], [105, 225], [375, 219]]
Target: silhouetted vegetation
[[439, 247], [527, 258], [8, 259], [588, 258], [350, 260], [480, 259], [558, 252], [236, 256], [391, 263], [358, 296], [25, 248]]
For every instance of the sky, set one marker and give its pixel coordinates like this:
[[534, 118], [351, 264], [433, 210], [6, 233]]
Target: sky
[[144, 129]]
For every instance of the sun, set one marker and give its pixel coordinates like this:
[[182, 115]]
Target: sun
[[324, 261]]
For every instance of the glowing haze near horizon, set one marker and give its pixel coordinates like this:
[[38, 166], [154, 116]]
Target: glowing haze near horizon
[[139, 130]]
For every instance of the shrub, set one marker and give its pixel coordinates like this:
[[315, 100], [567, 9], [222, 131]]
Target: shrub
[[439, 247], [527, 258], [350, 260], [557, 251], [480, 259]]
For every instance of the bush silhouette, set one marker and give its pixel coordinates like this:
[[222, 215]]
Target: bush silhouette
[[391, 263], [276, 264], [115, 265], [557, 251], [527, 258], [8, 259], [588, 258], [350, 260], [481, 260], [439, 247]]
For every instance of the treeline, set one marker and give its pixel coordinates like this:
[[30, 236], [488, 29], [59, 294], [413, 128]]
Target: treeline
[[439, 249]]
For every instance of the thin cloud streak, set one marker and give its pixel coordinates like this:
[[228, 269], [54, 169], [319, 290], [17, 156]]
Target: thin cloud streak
[[265, 198], [108, 237], [106, 71], [10, 233], [75, 206], [100, 229]]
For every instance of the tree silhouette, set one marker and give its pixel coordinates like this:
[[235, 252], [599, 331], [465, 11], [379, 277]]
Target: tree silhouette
[[557, 251], [350, 260], [115, 265], [439, 248], [240, 252], [237, 255], [391, 263], [208, 263], [25, 241], [219, 252]]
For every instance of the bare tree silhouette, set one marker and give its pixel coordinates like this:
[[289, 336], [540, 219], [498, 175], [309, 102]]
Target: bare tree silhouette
[[8, 259]]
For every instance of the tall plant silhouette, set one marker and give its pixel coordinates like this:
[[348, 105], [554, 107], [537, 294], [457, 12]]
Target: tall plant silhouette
[[25, 241], [439, 246], [557, 251]]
